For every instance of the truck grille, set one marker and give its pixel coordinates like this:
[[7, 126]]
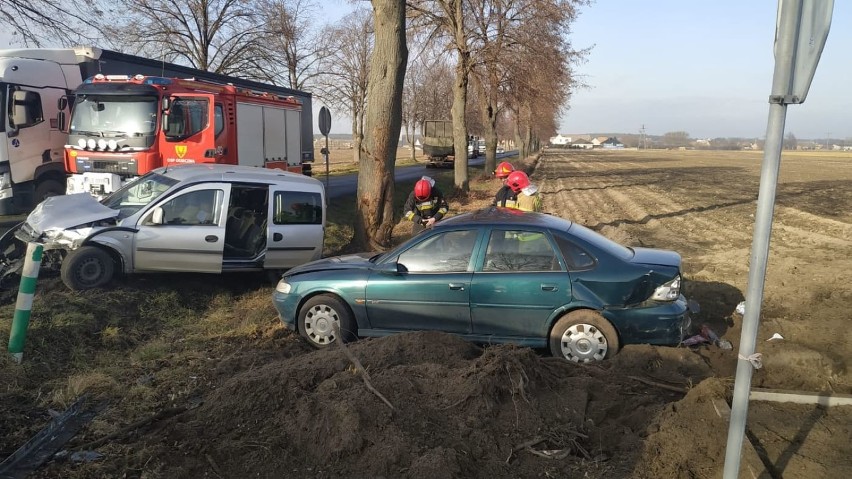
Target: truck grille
[[119, 167]]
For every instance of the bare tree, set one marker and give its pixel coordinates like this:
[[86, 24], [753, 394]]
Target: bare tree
[[221, 36], [428, 89], [38, 22], [293, 46], [345, 68], [447, 17], [375, 216]]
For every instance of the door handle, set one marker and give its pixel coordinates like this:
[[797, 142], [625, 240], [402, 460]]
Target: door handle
[[457, 286], [211, 238], [549, 287], [277, 237]]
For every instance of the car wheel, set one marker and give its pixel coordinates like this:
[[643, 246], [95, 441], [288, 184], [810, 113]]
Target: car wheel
[[48, 188], [86, 268], [583, 336], [317, 317]]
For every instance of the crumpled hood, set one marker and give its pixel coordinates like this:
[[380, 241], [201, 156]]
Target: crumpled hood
[[67, 211], [350, 261]]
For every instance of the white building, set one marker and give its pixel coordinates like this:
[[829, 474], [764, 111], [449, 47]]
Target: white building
[[560, 140]]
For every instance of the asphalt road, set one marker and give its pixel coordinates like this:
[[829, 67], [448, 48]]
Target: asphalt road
[[343, 185]]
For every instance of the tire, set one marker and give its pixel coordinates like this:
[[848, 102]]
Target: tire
[[87, 267], [317, 316], [47, 188], [582, 336]]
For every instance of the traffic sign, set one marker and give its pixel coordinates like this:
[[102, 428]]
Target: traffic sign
[[324, 121]]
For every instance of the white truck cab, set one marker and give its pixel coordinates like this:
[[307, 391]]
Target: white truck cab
[[196, 218]]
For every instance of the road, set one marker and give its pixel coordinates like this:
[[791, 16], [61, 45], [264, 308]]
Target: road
[[343, 185]]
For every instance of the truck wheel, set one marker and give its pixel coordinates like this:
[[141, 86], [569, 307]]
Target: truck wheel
[[87, 267], [47, 188]]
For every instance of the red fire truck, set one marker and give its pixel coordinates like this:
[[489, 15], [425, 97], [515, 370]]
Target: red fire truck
[[122, 127]]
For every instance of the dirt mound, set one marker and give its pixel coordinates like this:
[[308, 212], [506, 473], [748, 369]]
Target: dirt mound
[[459, 411]]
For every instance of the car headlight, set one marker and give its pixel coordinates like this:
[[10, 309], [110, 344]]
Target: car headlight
[[283, 287], [5, 181], [668, 292]]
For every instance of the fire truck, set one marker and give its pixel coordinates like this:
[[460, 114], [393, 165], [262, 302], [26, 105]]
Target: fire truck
[[122, 127]]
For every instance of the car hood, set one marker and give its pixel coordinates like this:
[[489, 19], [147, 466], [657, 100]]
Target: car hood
[[350, 261], [655, 257], [67, 211]]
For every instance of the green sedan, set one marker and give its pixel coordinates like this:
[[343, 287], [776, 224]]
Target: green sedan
[[493, 276]]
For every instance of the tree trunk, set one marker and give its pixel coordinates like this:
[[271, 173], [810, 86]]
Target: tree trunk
[[489, 126], [459, 103], [383, 119], [357, 137]]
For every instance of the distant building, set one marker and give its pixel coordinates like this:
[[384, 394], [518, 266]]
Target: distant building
[[560, 140], [612, 143], [582, 144]]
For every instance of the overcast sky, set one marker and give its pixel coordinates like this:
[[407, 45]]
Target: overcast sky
[[700, 67]]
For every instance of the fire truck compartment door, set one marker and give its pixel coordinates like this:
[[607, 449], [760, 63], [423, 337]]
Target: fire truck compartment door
[[294, 232], [250, 131], [192, 235]]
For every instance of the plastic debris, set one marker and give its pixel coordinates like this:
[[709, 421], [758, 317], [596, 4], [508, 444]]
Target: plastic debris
[[707, 335], [725, 344], [78, 456], [741, 308], [775, 336], [755, 359]]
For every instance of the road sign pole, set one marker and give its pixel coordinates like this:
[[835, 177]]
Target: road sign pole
[[24, 304], [326, 161], [785, 90]]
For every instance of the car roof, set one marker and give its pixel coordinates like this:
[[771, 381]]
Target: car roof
[[498, 216], [233, 173]]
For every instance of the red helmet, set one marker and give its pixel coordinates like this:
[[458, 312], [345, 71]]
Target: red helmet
[[503, 169], [422, 190], [517, 181]]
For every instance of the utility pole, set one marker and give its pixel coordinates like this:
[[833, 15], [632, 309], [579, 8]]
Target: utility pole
[[642, 138], [827, 139]]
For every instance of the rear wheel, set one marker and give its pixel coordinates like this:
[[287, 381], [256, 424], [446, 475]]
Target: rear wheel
[[583, 336], [317, 317], [86, 268]]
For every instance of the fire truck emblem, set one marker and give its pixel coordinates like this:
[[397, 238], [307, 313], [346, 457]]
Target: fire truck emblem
[[180, 150]]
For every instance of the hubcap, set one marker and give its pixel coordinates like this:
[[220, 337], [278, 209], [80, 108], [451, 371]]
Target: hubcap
[[90, 271], [318, 324], [583, 343]]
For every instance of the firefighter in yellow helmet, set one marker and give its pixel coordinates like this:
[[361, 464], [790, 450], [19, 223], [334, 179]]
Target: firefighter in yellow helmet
[[528, 198], [425, 205]]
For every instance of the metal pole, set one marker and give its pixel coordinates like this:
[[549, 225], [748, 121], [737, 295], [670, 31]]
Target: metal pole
[[788, 30], [24, 304], [325, 154]]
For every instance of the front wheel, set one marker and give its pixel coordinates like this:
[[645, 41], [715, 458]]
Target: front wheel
[[583, 336], [47, 188], [87, 267], [317, 317]]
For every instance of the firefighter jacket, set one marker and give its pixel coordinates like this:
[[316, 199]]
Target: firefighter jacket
[[529, 199], [505, 197], [434, 207]]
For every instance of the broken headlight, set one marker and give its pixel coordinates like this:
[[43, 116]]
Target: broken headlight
[[669, 291]]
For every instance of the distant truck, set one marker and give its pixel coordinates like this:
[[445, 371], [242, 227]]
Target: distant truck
[[438, 145], [122, 127], [32, 81]]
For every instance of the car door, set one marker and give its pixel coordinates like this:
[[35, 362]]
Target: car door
[[433, 290], [191, 236], [520, 283], [295, 234]]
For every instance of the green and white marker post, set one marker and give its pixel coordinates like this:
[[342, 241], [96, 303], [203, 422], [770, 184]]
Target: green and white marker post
[[24, 305]]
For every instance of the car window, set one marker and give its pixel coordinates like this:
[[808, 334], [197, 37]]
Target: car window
[[195, 208], [518, 250], [297, 208], [442, 253], [576, 257]]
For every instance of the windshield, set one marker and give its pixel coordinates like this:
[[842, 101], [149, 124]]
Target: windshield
[[135, 195], [114, 116]]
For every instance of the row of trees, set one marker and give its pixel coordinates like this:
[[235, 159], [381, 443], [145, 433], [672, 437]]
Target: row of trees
[[495, 67]]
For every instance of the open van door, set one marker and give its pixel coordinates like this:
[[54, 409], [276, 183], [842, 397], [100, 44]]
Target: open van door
[[296, 226]]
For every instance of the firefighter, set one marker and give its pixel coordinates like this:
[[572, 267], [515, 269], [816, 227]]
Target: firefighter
[[425, 205], [528, 198], [505, 196]]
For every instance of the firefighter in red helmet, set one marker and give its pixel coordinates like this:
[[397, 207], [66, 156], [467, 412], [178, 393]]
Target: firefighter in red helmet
[[528, 198], [505, 196], [425, 205]]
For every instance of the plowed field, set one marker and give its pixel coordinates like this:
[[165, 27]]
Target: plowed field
[[194, 377]]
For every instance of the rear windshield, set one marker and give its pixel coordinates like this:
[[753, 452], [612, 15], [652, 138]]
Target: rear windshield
[[600, 241]]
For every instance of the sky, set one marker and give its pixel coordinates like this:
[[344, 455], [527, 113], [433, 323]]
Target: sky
[[682, 65]]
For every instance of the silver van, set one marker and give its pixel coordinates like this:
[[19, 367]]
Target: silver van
[[193, 218]]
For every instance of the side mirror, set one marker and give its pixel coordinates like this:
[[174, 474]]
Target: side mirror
[[391, 267], [165, 104], [166, 123], [157, 216], [62, 103], [60, 121]]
